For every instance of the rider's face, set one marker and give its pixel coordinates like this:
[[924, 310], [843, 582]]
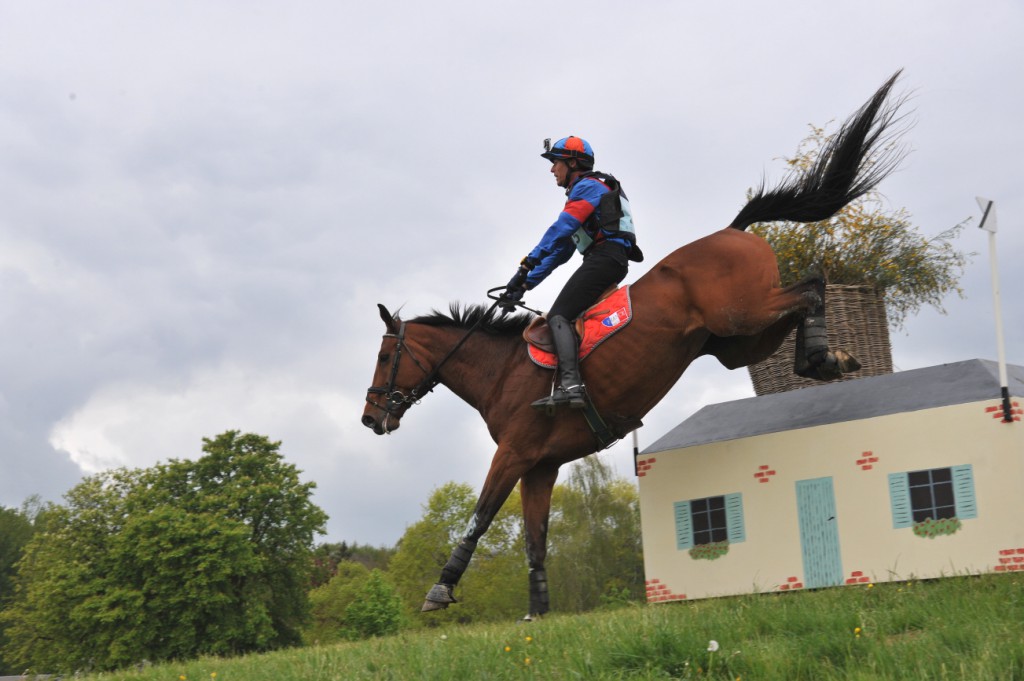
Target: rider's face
[[561, 172]]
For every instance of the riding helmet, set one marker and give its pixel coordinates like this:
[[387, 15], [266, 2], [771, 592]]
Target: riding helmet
[[569, 147]]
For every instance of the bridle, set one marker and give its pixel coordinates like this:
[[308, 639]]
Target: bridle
[[396, 400]]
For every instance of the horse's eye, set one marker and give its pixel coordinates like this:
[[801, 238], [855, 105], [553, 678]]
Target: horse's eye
[[383, 357]]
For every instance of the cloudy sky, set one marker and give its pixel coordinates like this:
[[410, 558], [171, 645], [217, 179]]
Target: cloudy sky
[[201, 203]]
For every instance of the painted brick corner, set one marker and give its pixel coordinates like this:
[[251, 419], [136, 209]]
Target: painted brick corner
[[643, 465], [658, 592]]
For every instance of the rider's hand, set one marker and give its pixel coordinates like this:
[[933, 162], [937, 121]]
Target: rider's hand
[[510, 297], [516, 286]]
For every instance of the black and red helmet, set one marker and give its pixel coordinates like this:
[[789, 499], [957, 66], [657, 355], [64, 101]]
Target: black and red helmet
[[569, 147]]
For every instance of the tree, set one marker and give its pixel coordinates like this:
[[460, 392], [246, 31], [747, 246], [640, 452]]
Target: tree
[[595, 549], [329, 555], [16, 529], [376, 610], [494, 586], [865, 244], [182, 559], [329, 601]]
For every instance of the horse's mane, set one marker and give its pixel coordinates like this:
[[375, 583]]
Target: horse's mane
[[466, 317]]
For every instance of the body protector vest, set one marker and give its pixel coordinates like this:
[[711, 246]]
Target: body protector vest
[[613, 218]]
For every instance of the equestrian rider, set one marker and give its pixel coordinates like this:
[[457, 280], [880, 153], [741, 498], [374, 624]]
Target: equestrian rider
[[596, 221]]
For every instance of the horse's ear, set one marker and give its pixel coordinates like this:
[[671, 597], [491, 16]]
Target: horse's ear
[[389, 319]]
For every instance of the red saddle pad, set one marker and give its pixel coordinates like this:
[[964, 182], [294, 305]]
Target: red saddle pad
[[600, 322]]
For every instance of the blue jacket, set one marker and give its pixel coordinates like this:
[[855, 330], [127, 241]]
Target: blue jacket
[[557, 245]]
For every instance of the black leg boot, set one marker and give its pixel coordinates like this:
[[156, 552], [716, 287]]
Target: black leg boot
[[570, 385]]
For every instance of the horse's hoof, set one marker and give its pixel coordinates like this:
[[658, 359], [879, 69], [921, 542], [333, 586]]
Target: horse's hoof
[[438, 598], [829, 369], [430, 606], [847, 362]]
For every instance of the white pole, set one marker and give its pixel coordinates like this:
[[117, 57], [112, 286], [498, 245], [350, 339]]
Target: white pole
[[636, 452], [988, 223]]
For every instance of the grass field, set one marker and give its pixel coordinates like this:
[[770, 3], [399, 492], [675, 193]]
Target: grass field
[[956, 628]]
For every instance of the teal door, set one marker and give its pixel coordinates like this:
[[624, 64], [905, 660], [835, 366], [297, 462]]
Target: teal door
[[819, 533]]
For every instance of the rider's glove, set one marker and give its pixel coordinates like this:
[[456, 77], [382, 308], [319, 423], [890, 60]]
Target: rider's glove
[[516, 286], [510, 297]]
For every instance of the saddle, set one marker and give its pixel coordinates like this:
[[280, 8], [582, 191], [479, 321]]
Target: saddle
[[609, 315]]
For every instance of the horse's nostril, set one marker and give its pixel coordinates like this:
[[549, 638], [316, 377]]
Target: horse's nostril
[[369, 421]]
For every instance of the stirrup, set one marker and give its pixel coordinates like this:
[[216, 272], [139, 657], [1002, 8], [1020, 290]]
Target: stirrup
[[574, 396]]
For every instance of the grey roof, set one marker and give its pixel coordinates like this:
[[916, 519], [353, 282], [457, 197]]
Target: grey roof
[[973, 380]]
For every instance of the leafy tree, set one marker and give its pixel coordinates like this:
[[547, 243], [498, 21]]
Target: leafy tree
[[376, 610], [185, 558], [329, 601], [865, 244], [494, 586], [328, 556], [595, 553], [16, 529]]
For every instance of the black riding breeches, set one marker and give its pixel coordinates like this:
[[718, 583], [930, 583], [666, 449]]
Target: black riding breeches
[[603, 266]]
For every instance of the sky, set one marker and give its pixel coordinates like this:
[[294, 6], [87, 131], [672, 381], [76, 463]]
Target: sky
[[202, 203]]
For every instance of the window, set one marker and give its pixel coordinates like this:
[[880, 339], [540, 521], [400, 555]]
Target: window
[[709, 520], [931, 494], [708, 517], [935, 494]]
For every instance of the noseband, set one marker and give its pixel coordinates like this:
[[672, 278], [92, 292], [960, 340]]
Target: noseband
[[396, 400]]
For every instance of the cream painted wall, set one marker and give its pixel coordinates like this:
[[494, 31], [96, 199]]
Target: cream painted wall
[[771, 558]]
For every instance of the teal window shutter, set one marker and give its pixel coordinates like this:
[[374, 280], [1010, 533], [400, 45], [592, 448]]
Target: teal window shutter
[[963, 491], [734, 518], [899, 496], [684, 526]]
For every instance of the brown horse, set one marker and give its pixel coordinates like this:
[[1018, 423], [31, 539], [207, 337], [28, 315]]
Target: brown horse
[[719, 296]]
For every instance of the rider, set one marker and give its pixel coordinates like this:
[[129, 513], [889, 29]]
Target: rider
[[596, 221]]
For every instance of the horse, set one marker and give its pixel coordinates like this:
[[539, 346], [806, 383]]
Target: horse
[[720, 295]]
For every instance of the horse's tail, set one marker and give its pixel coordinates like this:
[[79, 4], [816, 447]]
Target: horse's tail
[[851, 163]]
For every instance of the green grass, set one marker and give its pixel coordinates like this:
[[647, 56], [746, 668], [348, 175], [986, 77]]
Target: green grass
[[956, 628]]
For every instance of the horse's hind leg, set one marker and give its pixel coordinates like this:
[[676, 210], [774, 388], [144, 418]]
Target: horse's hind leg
[[535, 490], [803, 306], [813, 357]]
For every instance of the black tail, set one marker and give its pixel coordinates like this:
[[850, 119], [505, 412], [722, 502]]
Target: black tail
[[840, 174]]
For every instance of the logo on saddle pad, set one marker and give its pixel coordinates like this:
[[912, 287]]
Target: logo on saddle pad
[[599, 323]]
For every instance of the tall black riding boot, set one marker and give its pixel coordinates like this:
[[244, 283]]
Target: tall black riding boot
[[570, 385]]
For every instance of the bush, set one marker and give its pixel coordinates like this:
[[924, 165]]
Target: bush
[[865, 244], [376, 611]]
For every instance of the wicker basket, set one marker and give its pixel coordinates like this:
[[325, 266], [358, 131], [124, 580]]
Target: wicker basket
[[856, 321]]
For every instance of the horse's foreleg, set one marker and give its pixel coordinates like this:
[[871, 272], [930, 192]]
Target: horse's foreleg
[[499, 483], [535, 490]]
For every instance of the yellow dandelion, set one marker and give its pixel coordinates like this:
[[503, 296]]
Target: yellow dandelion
[[529, 638], [527, 662], [871, 586], [508, 649]]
